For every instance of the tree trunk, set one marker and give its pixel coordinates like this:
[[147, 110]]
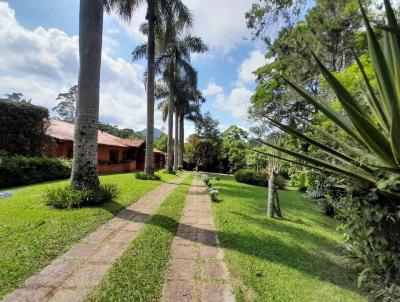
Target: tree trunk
[[151, 53], [181, 140], [176, 140], [271, 195], [84, 169], [277, 206], [170, 146]]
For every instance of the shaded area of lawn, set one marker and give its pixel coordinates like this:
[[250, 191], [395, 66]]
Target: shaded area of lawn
[[295, 259], [139, 274], [32, 234]]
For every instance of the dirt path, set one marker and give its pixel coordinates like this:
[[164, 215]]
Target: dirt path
[[73, 275], [197, 271]]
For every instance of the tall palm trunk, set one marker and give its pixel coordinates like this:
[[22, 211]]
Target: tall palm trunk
[[176, 141], [151, 53], [181, 139], [84, 169], [170, 146]]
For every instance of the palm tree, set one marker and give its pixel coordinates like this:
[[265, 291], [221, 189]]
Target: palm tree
[[187, 105], [173, 58], [84, 169], [164, 14]]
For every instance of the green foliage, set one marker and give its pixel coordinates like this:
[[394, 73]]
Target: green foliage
[[371, 226], [234, 147], [252, 177], [161, 142], [22, 128], [302, 180], [19, 170], [68, 198], [374, 123], [146, 176]]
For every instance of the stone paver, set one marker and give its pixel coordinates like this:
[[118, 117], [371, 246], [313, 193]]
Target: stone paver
[[73, 275], [197, 271]]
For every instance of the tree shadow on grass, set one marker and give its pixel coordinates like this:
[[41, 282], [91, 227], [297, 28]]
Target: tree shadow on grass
[[266, 247]]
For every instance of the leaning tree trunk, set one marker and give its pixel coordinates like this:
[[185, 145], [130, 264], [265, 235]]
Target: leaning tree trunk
[[271, 195], [84, 169], [181, 139], [151, 53], [170, 146], [176, 141]]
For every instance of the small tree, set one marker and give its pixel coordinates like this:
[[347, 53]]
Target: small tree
[[66, 107]]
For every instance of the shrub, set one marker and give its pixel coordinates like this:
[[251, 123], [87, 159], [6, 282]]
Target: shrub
[[252, 177], [214, 194], [67, 198], [22, 128], [147, 176], [19, 170]]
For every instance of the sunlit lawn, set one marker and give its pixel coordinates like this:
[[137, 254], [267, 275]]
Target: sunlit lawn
[[140, 273], [295, 259], [32, 234]]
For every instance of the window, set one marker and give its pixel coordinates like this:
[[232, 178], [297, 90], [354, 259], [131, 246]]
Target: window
[[114, 156]]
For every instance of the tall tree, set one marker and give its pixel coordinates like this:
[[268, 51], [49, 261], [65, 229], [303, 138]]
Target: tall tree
[[84, 169], [173, 51], [163, 16]]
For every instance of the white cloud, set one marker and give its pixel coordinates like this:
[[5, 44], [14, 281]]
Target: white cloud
[[220, 23], [44, 62], [213, 89], [236, 102], [249, 66]]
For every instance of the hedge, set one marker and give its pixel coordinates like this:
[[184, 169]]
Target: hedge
[[22, 127], [257, 178], [19, 170]]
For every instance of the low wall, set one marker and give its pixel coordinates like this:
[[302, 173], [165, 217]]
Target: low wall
[[116, 168]]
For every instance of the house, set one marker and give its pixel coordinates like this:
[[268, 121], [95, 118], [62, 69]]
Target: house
[[114, 154]]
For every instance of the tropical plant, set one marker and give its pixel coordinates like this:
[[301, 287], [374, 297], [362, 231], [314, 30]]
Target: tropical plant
[[175, 63], [164, 17], [374, 236], [84, 169]]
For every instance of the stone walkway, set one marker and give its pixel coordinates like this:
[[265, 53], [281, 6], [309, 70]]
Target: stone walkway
[[73, 275], [197, 271]]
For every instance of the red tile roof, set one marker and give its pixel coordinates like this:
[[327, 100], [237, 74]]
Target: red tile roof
[[65, 131]]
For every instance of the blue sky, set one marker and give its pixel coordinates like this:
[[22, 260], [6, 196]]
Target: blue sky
[[38, 56]]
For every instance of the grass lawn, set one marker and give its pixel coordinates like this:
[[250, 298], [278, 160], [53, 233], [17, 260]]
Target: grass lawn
[[139, 274], [32, 234], [295, 259]]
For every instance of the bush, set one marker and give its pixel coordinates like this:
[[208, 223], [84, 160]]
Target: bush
[[22, 127], [258, 178], [67, 198], [19, 170], [147, 176], [252, 177]]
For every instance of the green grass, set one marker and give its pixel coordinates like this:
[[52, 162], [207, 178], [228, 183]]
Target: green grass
[[295, 259], [139, 274], [32, 234]]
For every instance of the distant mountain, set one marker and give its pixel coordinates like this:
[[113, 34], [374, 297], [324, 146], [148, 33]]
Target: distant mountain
[[157, 133]]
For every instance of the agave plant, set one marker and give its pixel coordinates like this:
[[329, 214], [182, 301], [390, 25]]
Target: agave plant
[[376, 130], [373, 221]]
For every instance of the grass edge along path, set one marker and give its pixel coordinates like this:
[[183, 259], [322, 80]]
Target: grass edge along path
[[32, 234], [298, 258], [140, 273]]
